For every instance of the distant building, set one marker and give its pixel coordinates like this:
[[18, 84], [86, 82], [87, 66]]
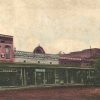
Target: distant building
[[84, 57], [37, 56]]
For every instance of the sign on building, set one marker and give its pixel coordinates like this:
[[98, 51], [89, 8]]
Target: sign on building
[[39, 70]]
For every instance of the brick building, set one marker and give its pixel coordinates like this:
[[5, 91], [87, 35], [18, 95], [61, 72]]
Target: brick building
[[6, 48], [84, 57]]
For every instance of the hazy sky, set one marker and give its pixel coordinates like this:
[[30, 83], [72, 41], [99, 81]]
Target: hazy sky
[[57, 25]]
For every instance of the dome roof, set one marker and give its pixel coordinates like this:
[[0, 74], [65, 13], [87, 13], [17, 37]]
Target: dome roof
[[39, 50]]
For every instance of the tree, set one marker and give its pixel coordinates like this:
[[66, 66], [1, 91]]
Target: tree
[[97, 64], [97, 71]]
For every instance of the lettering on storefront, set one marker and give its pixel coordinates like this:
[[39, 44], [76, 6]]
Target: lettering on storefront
[[8, 70], [40, 70]]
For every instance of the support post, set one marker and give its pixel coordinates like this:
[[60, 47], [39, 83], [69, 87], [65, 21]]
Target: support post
[[25, 83], [44, 78], [67, 76], [22, 77], [55, 76], [35, 78]]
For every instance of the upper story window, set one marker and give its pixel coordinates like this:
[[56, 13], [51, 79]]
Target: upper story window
[[2, 41]]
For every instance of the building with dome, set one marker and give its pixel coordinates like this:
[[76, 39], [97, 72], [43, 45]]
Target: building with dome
[[39, 50], [38, 56]]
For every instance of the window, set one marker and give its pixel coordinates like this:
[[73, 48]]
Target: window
[[7, 50], [2, 41], [50, 62], [2, 55], [24, 61], [38, 62]]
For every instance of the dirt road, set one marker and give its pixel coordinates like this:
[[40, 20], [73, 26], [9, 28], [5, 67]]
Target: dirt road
[[52, 93]]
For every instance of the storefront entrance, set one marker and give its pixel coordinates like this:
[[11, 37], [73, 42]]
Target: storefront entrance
[[40, 76]]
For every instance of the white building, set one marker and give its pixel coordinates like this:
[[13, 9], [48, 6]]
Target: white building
[[37, 56]]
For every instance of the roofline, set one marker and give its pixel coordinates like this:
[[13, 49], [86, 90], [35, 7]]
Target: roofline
[[35, 53], [27, 65], [6, 35]]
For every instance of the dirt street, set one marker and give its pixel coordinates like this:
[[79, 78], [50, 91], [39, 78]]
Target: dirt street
[[52, 93]]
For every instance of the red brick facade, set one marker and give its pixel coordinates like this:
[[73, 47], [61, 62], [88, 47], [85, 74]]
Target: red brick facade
[[6, 48], [83, 56]]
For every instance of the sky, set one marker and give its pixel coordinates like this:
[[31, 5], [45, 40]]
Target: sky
[[56, 25]]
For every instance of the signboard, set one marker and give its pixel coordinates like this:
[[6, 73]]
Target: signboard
[[8, 70], [40, 70]]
